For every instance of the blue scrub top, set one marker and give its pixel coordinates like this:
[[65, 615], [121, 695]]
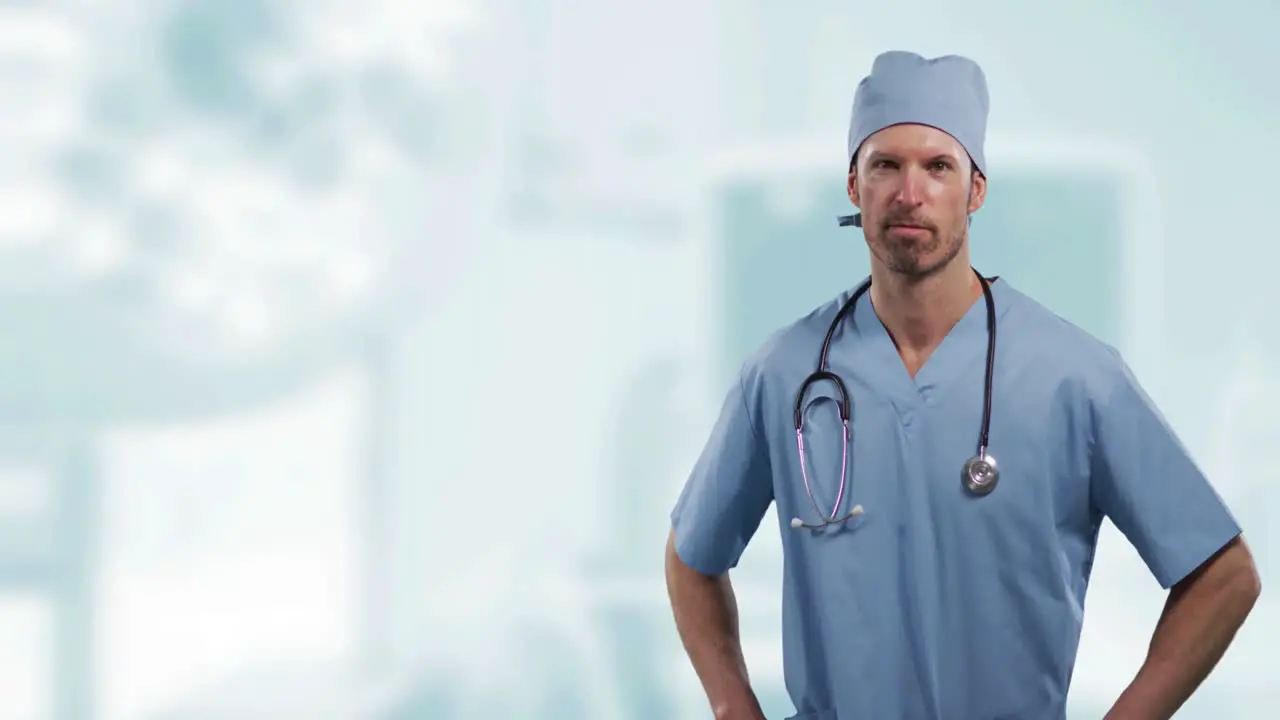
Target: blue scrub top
[[935, 603]]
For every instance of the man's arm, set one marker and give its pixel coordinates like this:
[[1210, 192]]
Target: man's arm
[[1201, 617], [706, 614], [1147, 483], [719, 510]]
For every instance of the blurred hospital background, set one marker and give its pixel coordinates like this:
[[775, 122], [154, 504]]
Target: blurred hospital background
[[355, 350]]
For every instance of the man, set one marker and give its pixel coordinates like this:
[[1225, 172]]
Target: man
[[916, 591]]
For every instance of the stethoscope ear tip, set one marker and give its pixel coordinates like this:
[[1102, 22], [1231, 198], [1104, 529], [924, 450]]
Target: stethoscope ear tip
[[797, 523]]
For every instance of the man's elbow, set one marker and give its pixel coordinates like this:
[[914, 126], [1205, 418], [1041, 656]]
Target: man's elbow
[[676, 568], [1233, 572], [1243, 574], [1248, 581]]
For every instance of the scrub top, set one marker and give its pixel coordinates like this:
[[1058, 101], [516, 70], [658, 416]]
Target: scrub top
[[934, 603]]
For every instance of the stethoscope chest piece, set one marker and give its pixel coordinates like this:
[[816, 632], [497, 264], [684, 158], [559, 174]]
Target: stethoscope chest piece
[[981, 474]]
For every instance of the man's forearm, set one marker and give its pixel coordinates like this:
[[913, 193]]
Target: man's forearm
[[1199, 622], [706, 616]]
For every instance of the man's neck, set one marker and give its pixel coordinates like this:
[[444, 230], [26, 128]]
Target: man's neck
[[919, 312]]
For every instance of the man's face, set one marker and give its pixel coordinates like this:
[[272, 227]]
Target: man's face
[[916, 187]]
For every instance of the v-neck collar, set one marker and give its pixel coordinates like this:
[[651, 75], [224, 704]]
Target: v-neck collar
[[964, 345]]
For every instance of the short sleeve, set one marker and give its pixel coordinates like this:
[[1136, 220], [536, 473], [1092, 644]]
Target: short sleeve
[[1147, 483], [730, 488]]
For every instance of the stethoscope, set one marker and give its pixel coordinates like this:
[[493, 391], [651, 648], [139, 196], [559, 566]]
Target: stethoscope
[[980, 472]]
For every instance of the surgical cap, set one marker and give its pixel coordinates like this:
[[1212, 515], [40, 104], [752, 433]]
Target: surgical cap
[[948, 93]]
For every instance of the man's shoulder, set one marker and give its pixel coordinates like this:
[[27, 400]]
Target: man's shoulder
[[797, 341], [1062, 348]]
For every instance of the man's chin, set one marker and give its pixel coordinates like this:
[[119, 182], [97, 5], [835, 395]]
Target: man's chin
[[905, 265], [915, 265]]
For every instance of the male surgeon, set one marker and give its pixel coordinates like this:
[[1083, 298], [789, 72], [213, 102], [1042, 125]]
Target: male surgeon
[[933, 571]]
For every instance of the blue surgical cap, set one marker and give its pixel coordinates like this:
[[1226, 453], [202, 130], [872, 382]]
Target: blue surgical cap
[[948, 93]]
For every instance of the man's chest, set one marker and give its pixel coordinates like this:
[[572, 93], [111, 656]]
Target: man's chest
[[903, 457]]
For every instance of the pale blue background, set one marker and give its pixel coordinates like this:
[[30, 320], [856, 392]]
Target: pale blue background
[[356, 351]]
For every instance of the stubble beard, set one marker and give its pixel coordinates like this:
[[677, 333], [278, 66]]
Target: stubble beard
[[917, 260]]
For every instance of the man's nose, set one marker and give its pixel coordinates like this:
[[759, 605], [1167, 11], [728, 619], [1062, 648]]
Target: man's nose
[[911, 189]]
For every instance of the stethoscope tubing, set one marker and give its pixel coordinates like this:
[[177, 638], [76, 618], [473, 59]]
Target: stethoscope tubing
[[980, 472]]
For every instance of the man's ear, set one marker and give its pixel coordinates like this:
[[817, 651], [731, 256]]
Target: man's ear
[[853, 188], [977, 192]]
